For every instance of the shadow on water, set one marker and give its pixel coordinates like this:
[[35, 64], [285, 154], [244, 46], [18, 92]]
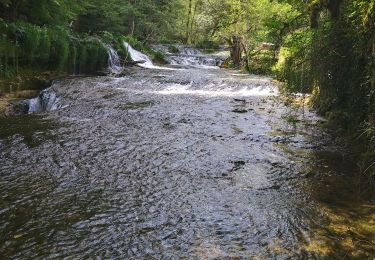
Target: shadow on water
[[348, 230], [34, 129], [32, 85], [344, 225]]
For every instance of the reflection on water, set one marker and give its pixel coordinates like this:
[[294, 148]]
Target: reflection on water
[[350, 220], [346, 228], [123, 170], [24, 90], [32, 130]]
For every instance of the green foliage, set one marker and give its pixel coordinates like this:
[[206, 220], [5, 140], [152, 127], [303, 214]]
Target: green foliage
[[148, 20], [51, 48], [134, 42], [294, 61], [338, 57], [207, 44], [42, 12], [261, 62], [158, 57], [91, 55], [59, 47], [173, 49]]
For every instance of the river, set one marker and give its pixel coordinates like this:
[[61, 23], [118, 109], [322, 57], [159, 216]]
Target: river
[[188, 162]]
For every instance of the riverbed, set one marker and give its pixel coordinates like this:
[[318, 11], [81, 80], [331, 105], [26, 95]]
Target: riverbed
[[176, 163]]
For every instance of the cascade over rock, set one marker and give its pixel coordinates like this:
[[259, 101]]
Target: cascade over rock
[[46, 101], [188, 56], [137, 56], [114, 63]]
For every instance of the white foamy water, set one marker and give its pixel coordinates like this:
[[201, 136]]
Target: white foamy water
[[212, 91], [114, 63], [190, 56], [46, 101], [144, 60], [138, 56]]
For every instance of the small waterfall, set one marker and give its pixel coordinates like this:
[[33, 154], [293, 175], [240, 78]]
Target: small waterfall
[[137, 56], [194, 60], [188, 50], [142, 59], [189, 56], [114, 64], [46, 101]]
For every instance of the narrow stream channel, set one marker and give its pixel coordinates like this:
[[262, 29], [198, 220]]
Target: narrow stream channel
[[188, 163]]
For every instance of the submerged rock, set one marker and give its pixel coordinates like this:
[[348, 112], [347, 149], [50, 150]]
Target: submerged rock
[[17, 108], [240, 110]]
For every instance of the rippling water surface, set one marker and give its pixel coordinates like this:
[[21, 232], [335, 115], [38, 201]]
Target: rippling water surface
[[192, 163]]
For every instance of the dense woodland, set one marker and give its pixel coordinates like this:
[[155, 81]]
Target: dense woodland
[[323, 47]]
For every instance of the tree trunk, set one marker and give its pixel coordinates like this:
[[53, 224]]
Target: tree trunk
[[188, 34], [132, 28], [14, 60], [373, 63], [14, 7], [6, 64], [236, 51], [247, 53], [1, 67]]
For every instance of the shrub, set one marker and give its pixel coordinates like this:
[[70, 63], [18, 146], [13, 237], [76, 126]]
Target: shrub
[[207, 45], [159, 57], [173, 49]]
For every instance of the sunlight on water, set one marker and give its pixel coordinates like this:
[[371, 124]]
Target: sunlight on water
[[177, 89]]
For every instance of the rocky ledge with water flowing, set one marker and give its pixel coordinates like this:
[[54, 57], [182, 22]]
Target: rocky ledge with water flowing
[[176, 163], [189, 56]]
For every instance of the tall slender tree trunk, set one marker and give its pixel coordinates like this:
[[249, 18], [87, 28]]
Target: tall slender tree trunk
[[14, 60], [6, 64], [189, 20], [192, 20], [14, 7], [373, 62], [1, 67], [132, 28], [247, 53]]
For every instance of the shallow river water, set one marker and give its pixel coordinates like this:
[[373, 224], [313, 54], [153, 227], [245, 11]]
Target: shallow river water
[[169, 164]]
